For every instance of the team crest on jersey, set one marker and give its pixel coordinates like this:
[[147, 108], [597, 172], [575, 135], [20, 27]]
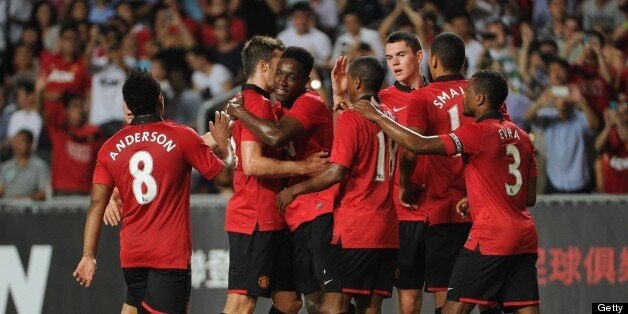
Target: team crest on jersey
[[263, 281]]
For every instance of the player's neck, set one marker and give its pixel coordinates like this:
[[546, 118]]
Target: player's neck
[[415, 82], [258, 81]]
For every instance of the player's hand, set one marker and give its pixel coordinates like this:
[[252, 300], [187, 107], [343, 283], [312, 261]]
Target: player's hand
[[85, 271], [409, 195], [368, 109], [284, 198], [222, 126], [463, 207], [112, 212], [234, 105], [339, 79], [315, 163]]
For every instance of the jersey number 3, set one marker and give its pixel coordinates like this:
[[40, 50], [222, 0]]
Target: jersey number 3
[[142, 177], [513, 168]]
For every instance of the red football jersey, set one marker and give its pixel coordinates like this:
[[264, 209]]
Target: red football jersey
[[499, 159], [397, 98], [317, 121], [437, 109], [253, 200], [150, 163], [365, 217], [593, 87], [614, 163]]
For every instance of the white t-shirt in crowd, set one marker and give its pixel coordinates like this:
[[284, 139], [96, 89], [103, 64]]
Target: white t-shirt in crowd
[[215, 80]]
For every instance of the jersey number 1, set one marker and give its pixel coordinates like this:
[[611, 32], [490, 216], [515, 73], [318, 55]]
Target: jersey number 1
[[143, 177], [383, 142]]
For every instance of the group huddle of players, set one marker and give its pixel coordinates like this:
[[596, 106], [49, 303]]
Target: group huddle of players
[[421, 186]]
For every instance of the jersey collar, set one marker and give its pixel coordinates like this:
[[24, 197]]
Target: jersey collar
[[403, 88], [491, 115], [450, 77], [147, 118], [255, 88], [288, 104], [368, 97]]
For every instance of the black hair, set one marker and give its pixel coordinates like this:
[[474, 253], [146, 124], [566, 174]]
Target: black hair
[[492, 85], [203, 52], [28, 134], [256, 49], [302, 6], [449, 49], [370, 71], [352, 10], [597, 34], [302, 56], [69, 97], [411, 39], [71, 26], [141, 92], [547, 41], [41, 3], [25, 84], [562, 62]]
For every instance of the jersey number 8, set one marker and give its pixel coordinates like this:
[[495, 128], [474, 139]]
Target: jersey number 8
[[142, 177]]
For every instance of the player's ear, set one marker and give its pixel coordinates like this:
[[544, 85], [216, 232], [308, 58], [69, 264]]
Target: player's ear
[[433, 61], [263, 66], [480, 100], [419, 56], [357, 82], [160, 103]]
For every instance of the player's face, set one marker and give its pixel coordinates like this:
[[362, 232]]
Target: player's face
[[469, 99], [289, 79], [402, 62], [270, 75]]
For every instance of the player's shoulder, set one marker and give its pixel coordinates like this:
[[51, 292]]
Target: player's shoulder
[[310, 98]]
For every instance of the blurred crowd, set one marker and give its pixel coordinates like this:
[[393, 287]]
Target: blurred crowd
[[63, 63]]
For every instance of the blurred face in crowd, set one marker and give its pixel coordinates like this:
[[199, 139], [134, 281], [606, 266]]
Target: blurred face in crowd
[[20, 145], [215, 7], [125, 11], [78, 11], [571, 27], [75, 112], [23, 58], [557, 9], [500, 36], [301, 21], [221, 29], [194, 61], [157, 70], [460, 26], [557, 74], [44, 15], [30, 37], [352, 23], [24, 98], [269, 75], [402, 62], [290, 80], [588, 51], [68, 41]]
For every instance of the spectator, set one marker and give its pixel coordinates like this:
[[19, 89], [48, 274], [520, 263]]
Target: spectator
[[77, 11], [100, 11], [593, 75], [327, 13], [159, 72], [355, 35], [218, 9], [369, 10], [44, 15], [170, 31], [227, 50], [108, 67], [75, 145], [62, 72], [302, 33], [209, 78], [6, 110], [25, 65], [31, 37], [182, 106], [565, 131], [500, 50], [260, 17], [531, 65], [27, 117], [25, 175], [612, 145], [18, 14], [602, 13], [553, 27]]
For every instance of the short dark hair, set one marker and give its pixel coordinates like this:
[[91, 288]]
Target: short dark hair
[[29, 135], [26, 84], [302, 6], [449, 49], [300, 55], [411, 39], [204, 53], [562, 62], [256, 49], [492, 85], [70, 26], [69, 97], [370, 71], [141, 92]]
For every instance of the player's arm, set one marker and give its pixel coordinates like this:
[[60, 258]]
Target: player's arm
[[408, 139], [86, 268], [256, 165], [531, 193], [225, 176], [408, 192], [333, 174], [270, 133]]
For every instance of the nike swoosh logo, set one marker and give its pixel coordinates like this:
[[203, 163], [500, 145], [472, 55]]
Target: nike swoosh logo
[[399, 109], [450, 289], [327, 281]]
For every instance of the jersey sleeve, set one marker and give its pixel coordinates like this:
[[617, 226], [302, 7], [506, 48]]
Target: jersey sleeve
[[101, 173], [261, 110], [345, 143], [198, 154], [306, 112], [533, 170], [468, 139], [416, 113]]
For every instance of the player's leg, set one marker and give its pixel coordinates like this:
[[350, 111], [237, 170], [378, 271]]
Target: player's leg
[[521, 288], [311, 246], [410, 272], [368, 304], [286, 298], [129, 306], [443, 243], [250, 269], [333, 302], [136, 280], [167, 291], [475, 280]]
